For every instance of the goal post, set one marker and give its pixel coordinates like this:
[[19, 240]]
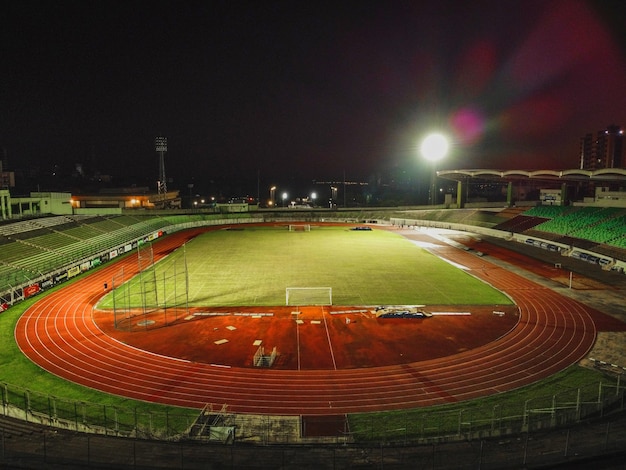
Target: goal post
[[299, 227], [300, 296]]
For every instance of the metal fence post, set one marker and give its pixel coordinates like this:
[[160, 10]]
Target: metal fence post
[[26, 404], [525, 413], [5, 398], [600, 405], [104, 416]]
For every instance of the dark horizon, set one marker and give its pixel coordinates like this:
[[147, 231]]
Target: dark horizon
[[252, 94]]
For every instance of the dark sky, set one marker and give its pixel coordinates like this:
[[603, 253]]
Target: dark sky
[[290, 89]]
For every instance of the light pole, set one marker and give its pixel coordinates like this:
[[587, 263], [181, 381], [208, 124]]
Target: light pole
[[434, 148], [333, 196], [273, 196], [284, 199]]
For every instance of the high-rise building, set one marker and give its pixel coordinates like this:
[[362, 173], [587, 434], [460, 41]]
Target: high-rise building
[[587, 151], [605, 151]]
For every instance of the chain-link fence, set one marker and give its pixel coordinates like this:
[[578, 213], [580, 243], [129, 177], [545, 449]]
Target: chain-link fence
[[593, 443], [542, 429]]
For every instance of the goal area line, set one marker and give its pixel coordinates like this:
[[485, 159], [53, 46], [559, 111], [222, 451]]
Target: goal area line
[[299, 227], [303, 296]]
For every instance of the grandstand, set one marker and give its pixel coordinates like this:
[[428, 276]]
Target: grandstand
[[599, 229], [45, 251], [38, 249]]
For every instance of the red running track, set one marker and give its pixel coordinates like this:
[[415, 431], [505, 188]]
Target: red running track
[[553, 332]]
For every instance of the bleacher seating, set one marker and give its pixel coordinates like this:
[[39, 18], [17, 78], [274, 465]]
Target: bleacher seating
[[520, 223], [37, 246], [32, 247], [602, 229], [477, 217], [548, 212]]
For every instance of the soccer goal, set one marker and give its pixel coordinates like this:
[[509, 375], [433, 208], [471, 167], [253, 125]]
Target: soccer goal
[[299, 227], [296, 296]]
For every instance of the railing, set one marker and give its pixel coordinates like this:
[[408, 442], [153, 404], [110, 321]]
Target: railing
[[422, 426], [79, 435]]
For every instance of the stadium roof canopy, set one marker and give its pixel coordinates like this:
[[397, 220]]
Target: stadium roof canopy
[[574, 175]]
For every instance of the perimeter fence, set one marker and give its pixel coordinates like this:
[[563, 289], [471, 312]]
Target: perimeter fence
[[417, 426], [595, 444], [568, 427]]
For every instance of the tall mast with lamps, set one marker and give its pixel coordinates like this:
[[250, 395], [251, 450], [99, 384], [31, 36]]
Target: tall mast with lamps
[[161, 148]]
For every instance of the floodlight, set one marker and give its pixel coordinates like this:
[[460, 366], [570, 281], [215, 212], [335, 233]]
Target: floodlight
[[434, 147]]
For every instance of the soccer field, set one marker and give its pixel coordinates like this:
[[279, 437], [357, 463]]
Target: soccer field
[[253, 266]]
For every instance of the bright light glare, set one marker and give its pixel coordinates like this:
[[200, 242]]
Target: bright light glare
[[434, 147]]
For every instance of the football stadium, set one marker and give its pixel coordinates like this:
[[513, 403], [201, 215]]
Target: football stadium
[[459, 338]]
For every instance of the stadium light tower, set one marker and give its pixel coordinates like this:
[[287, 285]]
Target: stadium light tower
[[434, 148], [161, 147]]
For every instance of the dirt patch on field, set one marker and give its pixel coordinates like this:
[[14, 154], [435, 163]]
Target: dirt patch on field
[[311, 338], [608, 353]]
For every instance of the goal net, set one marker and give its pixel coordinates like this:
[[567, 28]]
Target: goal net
[[308, 296], [299, 227]]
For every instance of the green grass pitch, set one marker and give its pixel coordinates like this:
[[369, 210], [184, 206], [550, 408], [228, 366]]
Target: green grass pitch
[[253, 266]]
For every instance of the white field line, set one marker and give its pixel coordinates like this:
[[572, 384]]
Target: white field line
[[330, 344], [451, 313]]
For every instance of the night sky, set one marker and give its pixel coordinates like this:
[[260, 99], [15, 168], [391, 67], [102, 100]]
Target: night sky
[[272, 91]]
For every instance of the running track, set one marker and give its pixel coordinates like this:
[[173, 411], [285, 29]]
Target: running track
[[59, 335]]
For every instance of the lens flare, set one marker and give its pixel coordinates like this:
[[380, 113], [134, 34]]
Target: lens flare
[[468, 125]]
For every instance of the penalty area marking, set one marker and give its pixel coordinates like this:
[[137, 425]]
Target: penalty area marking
[[339, 312], [451, 313], [253, 314]]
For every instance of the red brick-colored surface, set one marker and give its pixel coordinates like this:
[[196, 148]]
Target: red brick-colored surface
[[315, 337]]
